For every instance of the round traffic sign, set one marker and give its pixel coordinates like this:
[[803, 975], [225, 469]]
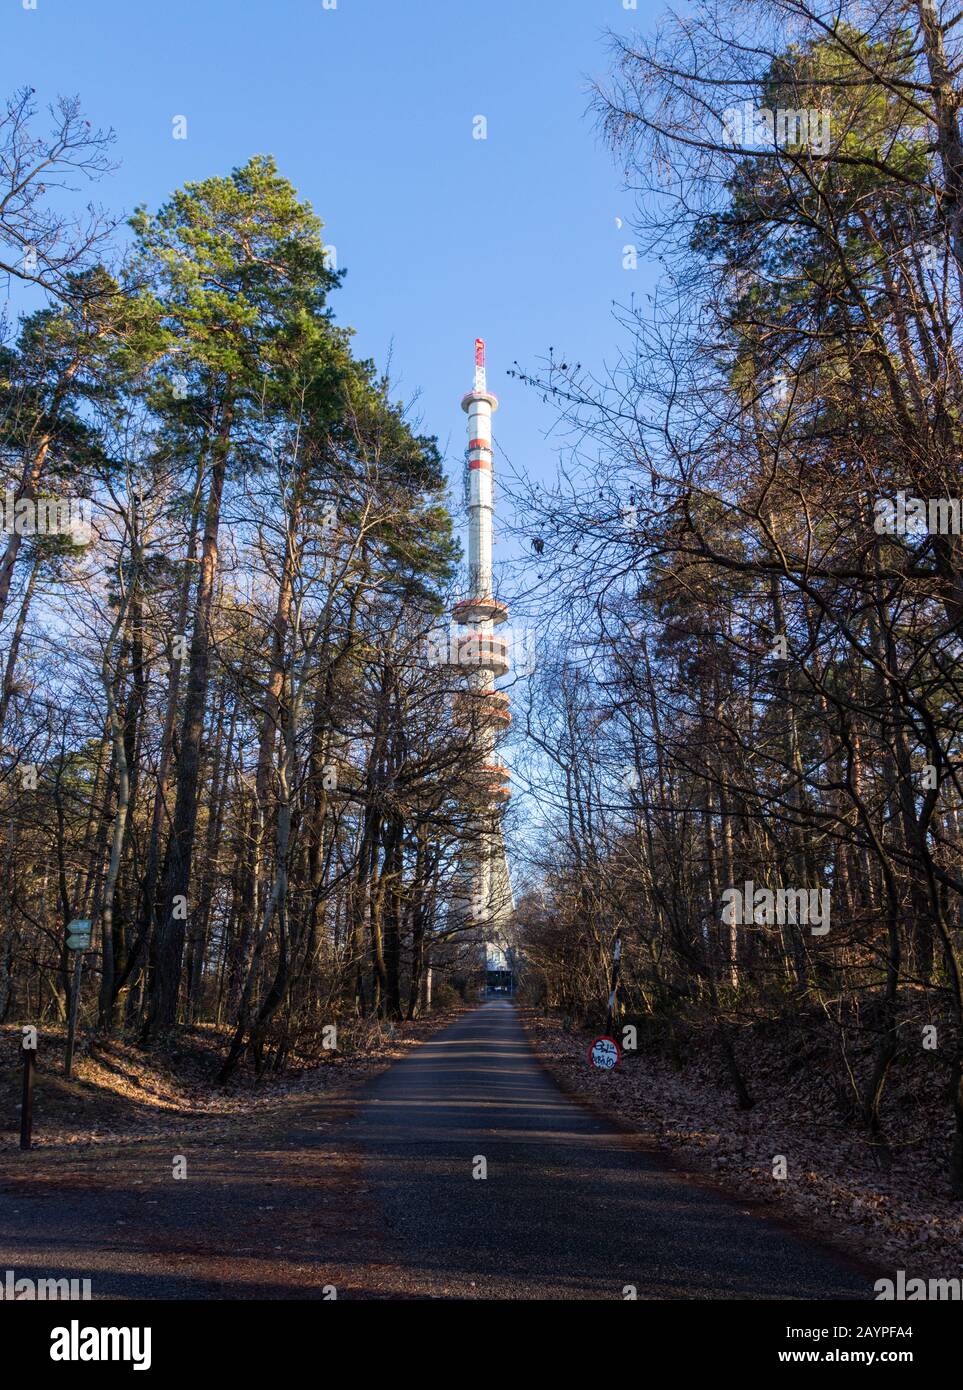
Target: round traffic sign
[[605, 1053]]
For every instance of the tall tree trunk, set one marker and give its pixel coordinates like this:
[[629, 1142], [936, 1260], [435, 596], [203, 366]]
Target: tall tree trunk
[[14, 649], [166, 979]]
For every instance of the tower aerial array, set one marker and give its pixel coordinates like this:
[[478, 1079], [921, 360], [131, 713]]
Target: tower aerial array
[[483, 655]]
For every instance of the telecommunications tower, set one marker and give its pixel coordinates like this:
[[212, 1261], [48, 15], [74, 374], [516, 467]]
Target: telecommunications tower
[[482, 655]]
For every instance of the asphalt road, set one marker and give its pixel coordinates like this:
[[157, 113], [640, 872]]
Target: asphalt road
[[570, 1207], [372, 1191]]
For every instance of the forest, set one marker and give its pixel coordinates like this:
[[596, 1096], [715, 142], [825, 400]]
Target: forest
[[741, 740], [223, 745], [751, 700]]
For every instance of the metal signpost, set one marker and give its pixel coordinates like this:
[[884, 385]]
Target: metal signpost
[[78, 940]]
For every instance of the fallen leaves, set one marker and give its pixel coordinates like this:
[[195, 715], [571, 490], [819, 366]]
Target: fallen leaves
[[900, 1215]]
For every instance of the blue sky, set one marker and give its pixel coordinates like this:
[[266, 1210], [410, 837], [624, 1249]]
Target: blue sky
[[369, 110]]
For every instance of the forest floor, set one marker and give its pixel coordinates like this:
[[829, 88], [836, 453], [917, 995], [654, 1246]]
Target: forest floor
[[119, 1092], [899, 1216], [153, 1182]]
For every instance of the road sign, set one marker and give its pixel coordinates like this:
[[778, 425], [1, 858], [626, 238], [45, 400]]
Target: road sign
[[78, 934], [605, 1054]]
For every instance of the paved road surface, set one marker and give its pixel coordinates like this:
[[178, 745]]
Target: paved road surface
[[570, 1207], [372, 1192]]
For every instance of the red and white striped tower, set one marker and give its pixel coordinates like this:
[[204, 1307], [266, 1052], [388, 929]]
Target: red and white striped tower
[[478, 650]]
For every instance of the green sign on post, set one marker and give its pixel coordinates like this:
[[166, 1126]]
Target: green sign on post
[[78, 934], [78, 939]]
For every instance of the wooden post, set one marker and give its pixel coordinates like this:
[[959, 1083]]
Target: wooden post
[[72, 1020], [613, 993], [26, 1103]]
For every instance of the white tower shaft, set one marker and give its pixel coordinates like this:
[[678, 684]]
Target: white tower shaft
[[480, 405], [483, 655]]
